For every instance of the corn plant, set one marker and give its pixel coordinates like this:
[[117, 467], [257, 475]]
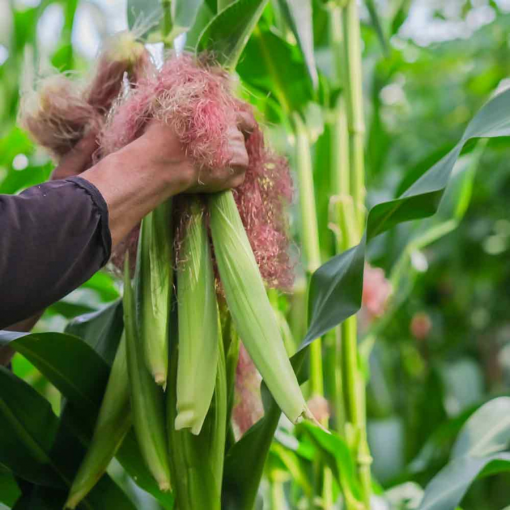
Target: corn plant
[[165, 410]]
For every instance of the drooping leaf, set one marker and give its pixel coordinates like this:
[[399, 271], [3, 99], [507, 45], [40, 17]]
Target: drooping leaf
[[57, 355], [299, 16], [29, 429], [229, 31], [448, 487], [83, 391]]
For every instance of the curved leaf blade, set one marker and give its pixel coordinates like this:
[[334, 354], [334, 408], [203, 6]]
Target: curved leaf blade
[[487, 431], [336, 287], [448, 487]]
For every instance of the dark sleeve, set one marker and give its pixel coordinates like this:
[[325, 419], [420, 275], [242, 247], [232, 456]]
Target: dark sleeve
[[53, 238]]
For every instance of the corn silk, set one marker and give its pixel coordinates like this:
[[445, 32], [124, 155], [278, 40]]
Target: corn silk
[[197, 101]]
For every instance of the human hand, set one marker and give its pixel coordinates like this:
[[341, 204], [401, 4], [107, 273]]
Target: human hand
[[167, 153]]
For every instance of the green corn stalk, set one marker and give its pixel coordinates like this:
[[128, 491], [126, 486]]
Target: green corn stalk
[[113, 423], [197, 460], [146, 397], [153, 289], [198, 324], [249, 305]]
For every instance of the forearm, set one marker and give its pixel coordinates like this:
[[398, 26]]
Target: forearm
[[133, 185]]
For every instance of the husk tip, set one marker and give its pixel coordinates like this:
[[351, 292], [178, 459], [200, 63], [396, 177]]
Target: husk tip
[[308, 415], [164, 486], [160, 379]]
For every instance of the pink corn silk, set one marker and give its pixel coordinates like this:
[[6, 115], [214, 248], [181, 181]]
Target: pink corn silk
[[197, 101], [248, 408]]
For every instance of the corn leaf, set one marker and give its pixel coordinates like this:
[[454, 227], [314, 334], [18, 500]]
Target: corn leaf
[[335, 289], [34, 443], [448, 487], [51, 357]]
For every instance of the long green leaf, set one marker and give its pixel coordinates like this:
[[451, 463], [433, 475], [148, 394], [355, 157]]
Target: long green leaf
[[336, 287]]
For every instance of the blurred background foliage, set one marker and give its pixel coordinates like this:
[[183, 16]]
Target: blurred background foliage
[[445, 349]]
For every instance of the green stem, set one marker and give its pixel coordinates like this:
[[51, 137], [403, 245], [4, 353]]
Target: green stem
[[308, 211], [347, 161], [354, 100], [310, 233], [166, 22]]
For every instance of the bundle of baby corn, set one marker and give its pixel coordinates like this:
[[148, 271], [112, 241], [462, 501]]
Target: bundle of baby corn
[[225, 246]]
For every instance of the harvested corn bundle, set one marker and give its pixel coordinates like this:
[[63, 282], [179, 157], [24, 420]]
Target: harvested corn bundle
[[197, 101]]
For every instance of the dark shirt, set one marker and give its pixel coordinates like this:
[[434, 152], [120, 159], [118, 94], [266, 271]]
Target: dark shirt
[[53, 238]]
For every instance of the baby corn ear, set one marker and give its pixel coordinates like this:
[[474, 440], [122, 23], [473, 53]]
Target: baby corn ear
[[249, 305], [198, 325], [113, 423], [146, 397], [153, 289]]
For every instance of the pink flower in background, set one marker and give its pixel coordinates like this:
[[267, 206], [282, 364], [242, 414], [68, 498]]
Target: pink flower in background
[[421, 325], [376, 291]]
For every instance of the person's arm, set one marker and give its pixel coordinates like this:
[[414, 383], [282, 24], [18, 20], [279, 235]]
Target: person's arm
[[57, 235]]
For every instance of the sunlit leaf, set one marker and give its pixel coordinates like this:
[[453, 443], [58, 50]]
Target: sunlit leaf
[[487, 431], [448, 487]]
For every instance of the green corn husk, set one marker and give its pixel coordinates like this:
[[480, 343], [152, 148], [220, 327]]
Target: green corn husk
[[198, 325], [153, 289], [197, 460], [113, 423], [147, 402], [249, 305]]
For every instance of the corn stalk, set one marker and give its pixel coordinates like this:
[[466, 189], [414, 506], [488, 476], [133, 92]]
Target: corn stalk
[[348, 186]]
